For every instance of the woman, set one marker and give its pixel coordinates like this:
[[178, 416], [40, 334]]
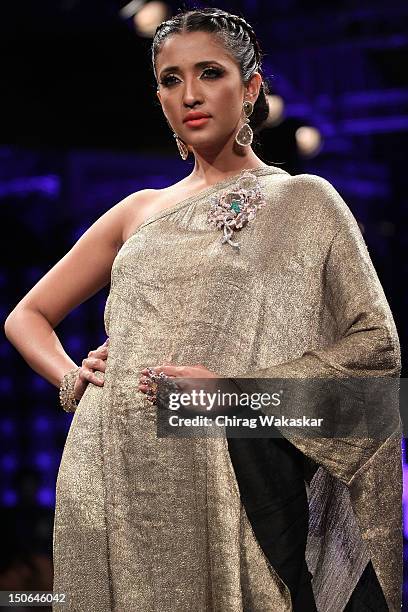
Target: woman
[[147, 523]]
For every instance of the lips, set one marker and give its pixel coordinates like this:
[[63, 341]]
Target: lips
[[197, 122], [196, 118]]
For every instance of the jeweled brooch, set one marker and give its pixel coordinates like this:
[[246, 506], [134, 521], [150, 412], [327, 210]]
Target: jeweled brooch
[[236, 206]]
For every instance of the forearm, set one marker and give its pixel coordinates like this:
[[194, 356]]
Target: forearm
[[34, 338]]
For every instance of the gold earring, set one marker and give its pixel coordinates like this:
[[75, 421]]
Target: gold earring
[[245, 134], [182, 147]]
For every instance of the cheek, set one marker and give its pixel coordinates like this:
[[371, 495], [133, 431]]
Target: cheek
[[168, 110], [229, 102], [166, 105]]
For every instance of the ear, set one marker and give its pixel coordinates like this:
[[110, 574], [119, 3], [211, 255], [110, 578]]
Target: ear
[[160, 100], [165, 116], [253, 86]]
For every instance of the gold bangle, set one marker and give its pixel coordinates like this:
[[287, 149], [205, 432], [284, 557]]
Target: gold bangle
[[66, 391]]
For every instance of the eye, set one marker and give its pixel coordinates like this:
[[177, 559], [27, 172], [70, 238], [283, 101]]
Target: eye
[[212, 73], [208, 73], [168, 80]]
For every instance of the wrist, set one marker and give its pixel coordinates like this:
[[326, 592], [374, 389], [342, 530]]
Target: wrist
[[67, 398]]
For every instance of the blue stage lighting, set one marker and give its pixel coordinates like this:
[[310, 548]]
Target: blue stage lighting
[[41, 424], [9, 497], [43, 460], [7, 426], [46, 497], [6, 384], [8, 463]]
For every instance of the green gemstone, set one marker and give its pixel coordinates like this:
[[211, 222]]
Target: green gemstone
[[235, 205]]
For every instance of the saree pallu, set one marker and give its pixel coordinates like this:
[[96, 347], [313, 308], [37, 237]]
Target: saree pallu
[[144, 523]]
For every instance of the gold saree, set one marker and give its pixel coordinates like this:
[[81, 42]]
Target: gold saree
[[150, 524]]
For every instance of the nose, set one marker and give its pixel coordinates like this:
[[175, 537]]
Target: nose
[[191, 93]]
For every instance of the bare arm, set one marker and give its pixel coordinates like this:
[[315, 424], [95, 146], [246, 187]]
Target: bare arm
[[81, 273]]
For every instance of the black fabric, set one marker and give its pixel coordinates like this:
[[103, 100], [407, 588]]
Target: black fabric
[[368, 595], [271, 477]]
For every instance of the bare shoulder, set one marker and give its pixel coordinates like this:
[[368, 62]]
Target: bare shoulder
[[136, 207], [141, 205]]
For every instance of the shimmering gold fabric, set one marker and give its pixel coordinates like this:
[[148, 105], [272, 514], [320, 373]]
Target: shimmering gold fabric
[[145, 524]]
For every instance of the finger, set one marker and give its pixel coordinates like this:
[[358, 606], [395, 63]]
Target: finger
[[99, 382], [169, 370], [95, 380], [83, 374], [104, 345], [94, 364], [90, 377], [79, 387], [102, 350], [97, 352], [99, 364]]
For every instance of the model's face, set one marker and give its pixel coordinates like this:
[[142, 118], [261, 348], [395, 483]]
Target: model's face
[[197, 74]]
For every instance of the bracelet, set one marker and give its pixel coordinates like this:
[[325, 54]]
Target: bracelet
[[66, 391]]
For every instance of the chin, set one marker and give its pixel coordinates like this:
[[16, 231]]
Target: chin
[[207, 138]]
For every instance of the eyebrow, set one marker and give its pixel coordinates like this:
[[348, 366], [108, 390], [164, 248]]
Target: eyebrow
[[202, 64]]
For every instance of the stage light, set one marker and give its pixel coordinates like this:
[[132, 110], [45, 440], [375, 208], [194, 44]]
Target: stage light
[[38, 383], [46, 497], [44, 461], [309, 141], [149, 16], [9, 497], [130, 9], [145, 16], [41, 424], [75, 343], [276, 110], [8, 463]]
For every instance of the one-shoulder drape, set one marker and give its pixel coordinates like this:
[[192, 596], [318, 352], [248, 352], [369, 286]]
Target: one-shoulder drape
[[145, 523]]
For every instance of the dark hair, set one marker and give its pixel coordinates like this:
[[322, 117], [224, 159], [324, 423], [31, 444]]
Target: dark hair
[[238, 38]]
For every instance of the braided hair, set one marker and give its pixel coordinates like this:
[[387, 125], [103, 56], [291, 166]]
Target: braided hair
[[238, 37]]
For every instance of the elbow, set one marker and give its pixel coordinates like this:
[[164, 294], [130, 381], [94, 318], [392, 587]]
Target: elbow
[[21, 321], [376, 344], [10, 325], [388, 353], [14, 324]]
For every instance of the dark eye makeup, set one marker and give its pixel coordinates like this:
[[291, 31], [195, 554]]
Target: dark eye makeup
[[210, 73]]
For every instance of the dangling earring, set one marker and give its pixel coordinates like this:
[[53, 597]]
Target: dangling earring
[[245, 134], [182, 147]]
